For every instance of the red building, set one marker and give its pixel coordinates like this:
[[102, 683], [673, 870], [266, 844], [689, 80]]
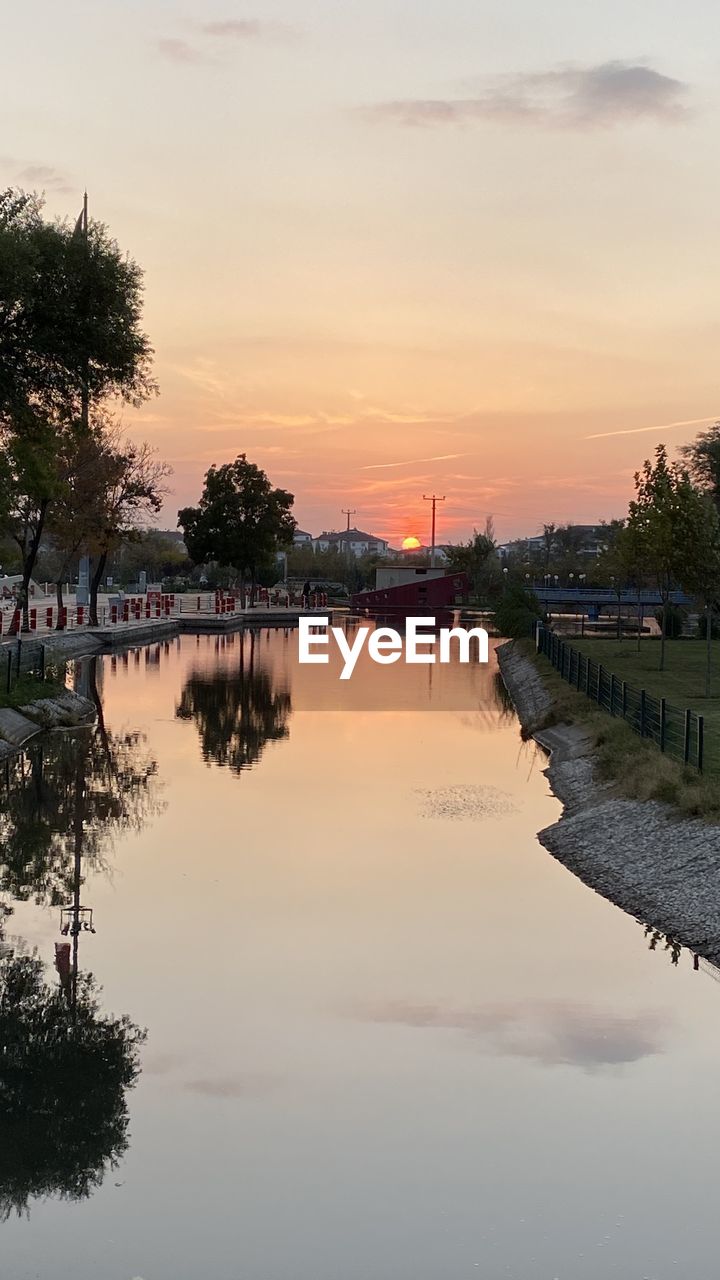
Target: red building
[[424, 592]]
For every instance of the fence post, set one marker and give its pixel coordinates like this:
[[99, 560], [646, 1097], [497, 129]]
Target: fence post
[[700, 742], [42, 661], [642, 713], [587, 676], [579, 669], [662, 724], [9, 671], [612, 693], [686, 735], [599, 688], [624, 699]]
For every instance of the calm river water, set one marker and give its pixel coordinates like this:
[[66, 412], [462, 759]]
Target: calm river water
[[389, 1037]]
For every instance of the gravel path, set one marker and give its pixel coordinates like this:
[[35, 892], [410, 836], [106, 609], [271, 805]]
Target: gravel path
[[663, 869]]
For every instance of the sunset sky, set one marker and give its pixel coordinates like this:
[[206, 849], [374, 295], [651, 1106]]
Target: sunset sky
[[394, 246]]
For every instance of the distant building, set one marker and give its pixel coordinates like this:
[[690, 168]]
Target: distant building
[[302, 539], [419, 591], [399, 575], [351, 542], [594, 538], [521, 546], [586, 540]]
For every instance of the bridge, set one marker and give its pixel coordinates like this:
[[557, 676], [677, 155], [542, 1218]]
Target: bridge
[[597, 597]]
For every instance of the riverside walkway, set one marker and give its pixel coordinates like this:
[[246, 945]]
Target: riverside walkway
[[140, 620]]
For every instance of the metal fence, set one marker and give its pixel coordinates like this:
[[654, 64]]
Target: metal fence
[[678, 731]]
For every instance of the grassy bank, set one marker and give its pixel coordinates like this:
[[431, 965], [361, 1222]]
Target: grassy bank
[[635, 767], [27, 688], [682, 682]]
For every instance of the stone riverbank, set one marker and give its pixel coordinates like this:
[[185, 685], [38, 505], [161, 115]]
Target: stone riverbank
[[656, 865], [66, 710]]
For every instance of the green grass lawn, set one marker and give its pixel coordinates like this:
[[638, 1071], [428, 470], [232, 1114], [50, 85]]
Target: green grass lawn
[[634, 765], [682, 682]]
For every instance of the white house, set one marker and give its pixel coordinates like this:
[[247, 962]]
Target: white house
[[351, 542]]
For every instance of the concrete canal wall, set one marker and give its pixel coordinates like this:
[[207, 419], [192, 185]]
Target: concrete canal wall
[[69, 710], [659, 867]]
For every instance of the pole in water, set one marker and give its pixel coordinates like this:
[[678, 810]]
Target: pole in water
[[434, 499]]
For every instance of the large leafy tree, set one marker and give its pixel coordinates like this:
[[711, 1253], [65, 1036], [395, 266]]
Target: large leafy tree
[[70, 316], [665, 521], [70, 341], [702, 460], [241, 521]]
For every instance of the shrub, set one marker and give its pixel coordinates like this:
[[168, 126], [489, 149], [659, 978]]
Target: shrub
[[517, 611]]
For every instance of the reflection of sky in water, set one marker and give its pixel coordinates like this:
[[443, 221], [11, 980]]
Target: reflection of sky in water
[[384, 1043]]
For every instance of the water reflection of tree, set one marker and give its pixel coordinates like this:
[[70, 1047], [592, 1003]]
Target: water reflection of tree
[[68, 795], [503, 702], [63, 1081], [670, 945], [237, 712]]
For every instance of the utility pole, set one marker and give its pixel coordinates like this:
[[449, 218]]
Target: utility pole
[[434, 499], [347, 513], [85, 386]]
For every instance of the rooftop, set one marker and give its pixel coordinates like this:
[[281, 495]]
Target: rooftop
[[351, 535]]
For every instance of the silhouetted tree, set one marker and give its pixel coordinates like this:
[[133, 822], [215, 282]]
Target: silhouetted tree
[[70, 317], [70, 338], [702, 460], [241, 520]]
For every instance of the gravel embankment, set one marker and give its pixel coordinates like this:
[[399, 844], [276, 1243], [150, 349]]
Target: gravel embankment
[[663, 869]]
